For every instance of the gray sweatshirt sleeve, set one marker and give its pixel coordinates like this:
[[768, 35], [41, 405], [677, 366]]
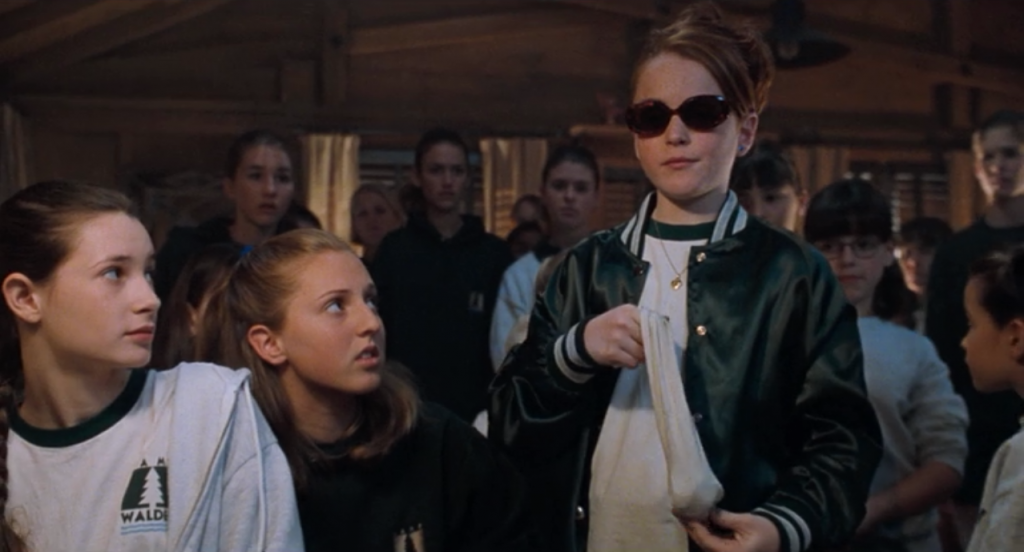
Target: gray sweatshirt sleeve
[[938, 416], [260, 517], [1001, 520]]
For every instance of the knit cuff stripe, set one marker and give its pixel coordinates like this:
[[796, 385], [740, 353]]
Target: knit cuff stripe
[[563, 358], [798, 534]]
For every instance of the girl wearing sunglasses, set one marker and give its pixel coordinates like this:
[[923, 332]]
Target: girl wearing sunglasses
[[924, 422], [770, 354]]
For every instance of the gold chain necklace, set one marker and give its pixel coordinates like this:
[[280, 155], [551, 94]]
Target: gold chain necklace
[[676, 282]]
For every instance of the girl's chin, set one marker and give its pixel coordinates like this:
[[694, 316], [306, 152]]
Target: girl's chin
[[364, 384]]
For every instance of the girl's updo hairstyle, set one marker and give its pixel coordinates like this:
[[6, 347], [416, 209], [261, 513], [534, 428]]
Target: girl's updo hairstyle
[[856, 208], [735, 54], [1001, 276]]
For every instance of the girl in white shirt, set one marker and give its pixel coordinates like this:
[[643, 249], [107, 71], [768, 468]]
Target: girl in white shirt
[[96, 455], [923, 421]]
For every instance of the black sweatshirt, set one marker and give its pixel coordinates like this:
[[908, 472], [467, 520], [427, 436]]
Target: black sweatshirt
[[436, 299], [994, 417], [442, 488]]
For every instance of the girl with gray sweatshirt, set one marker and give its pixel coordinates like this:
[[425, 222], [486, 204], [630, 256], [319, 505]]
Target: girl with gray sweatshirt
[[923, 420]]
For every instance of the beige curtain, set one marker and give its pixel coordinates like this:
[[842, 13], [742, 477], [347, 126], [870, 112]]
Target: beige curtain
[[15, 154], [511, 167], [332, 167], [819, 166]]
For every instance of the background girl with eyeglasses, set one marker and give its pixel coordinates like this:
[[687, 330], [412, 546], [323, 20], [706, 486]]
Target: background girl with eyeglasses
[[923, 421], [770, 354]]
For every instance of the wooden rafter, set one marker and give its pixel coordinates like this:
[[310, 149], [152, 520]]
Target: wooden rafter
[[7, 6], [635, 9], [463, 30], [104, 38], [47, 23]]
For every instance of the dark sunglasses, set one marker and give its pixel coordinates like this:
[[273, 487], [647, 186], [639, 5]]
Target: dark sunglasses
[[699, 113]]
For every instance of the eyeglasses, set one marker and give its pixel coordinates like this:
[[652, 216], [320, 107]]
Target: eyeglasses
[[862, 248], [700, 113]]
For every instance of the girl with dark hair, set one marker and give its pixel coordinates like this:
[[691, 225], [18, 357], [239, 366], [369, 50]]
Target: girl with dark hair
[[923, 421], [438, 278], [769, 187], [994, 347], [97, 455], [203, 277], [918, 239], [998, 147], [764, 340], [569, 189], [260, 181], [376, 470]]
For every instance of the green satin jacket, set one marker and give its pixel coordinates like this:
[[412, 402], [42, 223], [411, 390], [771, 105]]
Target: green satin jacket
[[773, 375]]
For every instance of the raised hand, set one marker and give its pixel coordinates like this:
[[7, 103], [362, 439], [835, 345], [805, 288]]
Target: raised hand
[[613, 338]]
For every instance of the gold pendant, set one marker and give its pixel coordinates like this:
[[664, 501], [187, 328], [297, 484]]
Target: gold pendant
[[677, 282]]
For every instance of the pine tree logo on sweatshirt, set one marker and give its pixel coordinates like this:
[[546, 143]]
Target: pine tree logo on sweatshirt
[[144, 506]]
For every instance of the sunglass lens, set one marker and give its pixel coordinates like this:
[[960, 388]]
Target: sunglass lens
[[648, 118], [703, 113]]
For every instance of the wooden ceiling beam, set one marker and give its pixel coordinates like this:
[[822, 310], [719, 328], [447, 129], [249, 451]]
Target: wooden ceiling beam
[[63, 25], [463, 30], [634, 9], [159, 16], [942, 55], [334, 52], [7, 6]]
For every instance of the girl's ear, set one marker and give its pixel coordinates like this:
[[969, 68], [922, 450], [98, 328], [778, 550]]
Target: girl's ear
[[22, 297], [748, 131], [1015, 334], [267, 345]]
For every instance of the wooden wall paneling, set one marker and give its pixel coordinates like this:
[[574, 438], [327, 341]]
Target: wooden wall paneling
[[857, 83], [174, 152], [248, 71], [996, 25], [951, 26], [298, 82], [89, 157], [905, 16]]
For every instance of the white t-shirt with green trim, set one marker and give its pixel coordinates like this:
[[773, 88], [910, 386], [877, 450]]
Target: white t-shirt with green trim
[[630, 504], [180, 460]]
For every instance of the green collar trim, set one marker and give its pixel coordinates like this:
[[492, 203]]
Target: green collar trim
[[680, 232], [69, 436]]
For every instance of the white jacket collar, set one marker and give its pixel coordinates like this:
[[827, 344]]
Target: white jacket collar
[[731, 220]]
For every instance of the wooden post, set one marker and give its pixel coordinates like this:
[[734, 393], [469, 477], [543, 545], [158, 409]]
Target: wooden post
[[334, 53]]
